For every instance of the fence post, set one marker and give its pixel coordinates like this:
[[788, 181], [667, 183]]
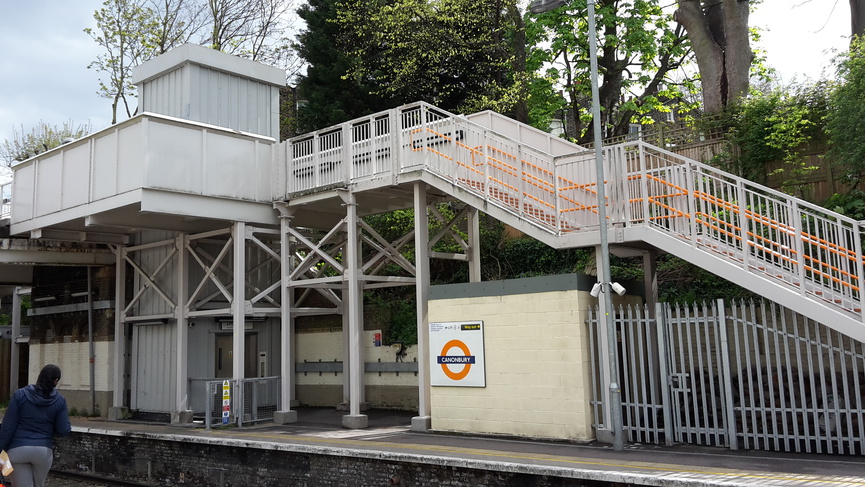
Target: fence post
[[208, 396], [666, 403], [730, 413]]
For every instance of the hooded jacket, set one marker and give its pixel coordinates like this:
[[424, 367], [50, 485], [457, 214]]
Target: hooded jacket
[[33, 419]]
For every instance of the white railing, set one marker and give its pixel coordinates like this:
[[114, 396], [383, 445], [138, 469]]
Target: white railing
[[5, 200], [555, 193], [807, 248]]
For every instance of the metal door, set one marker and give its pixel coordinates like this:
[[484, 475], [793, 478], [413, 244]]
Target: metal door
[[224, 357]]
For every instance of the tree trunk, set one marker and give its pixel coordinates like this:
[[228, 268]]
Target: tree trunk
[[718, 30], [857, 17]]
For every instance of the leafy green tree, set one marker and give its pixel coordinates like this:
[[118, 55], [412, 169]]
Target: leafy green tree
[[330, 96], [40, 138], [455, 54], [640, 56], [845, 120], [777, 126], [123, 30]]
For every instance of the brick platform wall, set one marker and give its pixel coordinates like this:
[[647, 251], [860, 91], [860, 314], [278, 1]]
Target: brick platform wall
[[204, 462]]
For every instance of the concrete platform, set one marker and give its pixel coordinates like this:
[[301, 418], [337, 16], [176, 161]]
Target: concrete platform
[[389, 438]]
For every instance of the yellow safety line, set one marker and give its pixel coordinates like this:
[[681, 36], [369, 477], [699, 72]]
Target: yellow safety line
[[369, 445]]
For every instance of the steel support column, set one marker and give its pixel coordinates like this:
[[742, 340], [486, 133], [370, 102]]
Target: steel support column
[[423, 421], [119, 410], [182, 413], [286, 329], [474, 251], [238, 312], [354, 419]]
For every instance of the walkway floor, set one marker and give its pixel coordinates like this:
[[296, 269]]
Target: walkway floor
[[389, 438]]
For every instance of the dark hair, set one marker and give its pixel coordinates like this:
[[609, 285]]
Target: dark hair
[[47, 379]]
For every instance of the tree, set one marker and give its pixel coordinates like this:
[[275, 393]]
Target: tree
[[123, 29], [718, 30], [251, 28], [176, 22], [330, 95], [133, 31], [845, 120], [41, 138], [857, 17], [456, 54], [639, 52]]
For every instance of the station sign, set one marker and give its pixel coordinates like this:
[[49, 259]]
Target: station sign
[[457, 354]]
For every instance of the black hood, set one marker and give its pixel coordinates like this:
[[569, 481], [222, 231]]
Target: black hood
[[35, 396]]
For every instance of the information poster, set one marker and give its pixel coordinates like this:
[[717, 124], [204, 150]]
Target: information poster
[[457, 354]]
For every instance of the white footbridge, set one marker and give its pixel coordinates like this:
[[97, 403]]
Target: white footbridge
[[800, 255]]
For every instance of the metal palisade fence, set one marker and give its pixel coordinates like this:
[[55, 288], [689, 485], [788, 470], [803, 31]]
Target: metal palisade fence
[[749, 375]]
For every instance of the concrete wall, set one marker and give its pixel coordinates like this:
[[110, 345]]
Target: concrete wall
[[536, 344], [387, 390]]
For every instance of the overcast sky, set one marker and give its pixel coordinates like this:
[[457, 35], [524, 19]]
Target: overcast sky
[[44, 55]]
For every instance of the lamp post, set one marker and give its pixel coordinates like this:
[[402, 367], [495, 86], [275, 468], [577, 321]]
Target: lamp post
[[540, 6]]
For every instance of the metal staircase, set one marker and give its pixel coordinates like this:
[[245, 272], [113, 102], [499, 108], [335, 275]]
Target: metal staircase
[[802, 256]]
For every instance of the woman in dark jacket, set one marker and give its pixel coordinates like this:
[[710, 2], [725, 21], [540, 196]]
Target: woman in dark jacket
[[35, 415]]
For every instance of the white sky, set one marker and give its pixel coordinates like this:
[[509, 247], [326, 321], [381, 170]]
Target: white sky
[[44, 55]]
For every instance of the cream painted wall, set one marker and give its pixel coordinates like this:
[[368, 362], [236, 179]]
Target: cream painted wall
[[538, 381], [74, 362], [327, 347]]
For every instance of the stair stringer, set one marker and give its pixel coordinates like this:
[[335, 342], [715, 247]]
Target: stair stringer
[[803, 303]]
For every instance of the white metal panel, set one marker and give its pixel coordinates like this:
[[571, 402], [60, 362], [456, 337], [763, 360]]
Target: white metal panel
[[230, 167], [263, 172], [49, 174], [104, 166], [130, 156], [23, 185], [525, 134], [76, 176], [174, 158]]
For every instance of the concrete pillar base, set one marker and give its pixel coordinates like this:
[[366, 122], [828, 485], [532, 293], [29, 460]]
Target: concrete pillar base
[[181, 417], [285, 417], [345, 406], [604, 436], [355, 421], [421, 423], [118, 413]]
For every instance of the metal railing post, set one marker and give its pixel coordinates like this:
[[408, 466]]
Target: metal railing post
[[730, 416], [208, 396]]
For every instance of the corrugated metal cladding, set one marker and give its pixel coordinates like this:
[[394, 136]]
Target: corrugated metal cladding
[[197, 93], [155, 358], [154, 347]]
